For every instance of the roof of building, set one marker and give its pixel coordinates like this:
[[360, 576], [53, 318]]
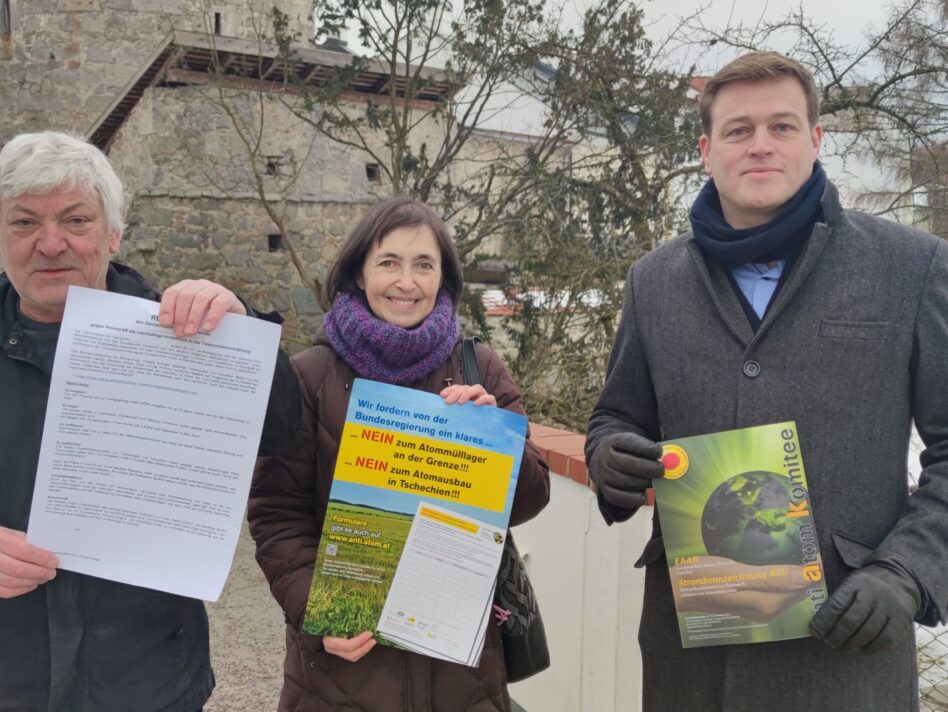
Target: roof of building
[[698, 83], [195, 58]]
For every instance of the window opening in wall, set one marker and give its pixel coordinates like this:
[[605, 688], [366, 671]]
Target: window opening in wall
[[272, 167], [217, 23], [372, 172], [274, 242], [6, 24]]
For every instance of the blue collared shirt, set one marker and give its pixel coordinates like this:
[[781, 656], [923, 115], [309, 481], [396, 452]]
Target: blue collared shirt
[[758, 281]]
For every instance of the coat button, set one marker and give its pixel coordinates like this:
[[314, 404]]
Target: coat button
[[12, 341], [751, 369], [312, 663]]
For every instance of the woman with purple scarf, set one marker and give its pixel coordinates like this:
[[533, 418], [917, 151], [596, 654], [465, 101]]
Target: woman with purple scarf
[[395, 289]]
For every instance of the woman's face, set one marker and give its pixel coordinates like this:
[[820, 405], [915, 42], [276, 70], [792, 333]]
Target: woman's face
[[401, 276]]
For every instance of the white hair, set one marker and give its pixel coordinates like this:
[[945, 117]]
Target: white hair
[[36, 163]]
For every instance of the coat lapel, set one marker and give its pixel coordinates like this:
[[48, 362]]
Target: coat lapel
[[801, 270], [722, 295], [809, 258]]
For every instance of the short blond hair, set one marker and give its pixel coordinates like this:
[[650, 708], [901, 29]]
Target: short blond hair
[[760, 67]]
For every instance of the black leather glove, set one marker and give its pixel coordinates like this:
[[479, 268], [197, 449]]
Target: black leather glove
[[871, 611], [624, 466]]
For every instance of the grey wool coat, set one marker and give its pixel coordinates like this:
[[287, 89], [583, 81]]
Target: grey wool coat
[[853, 349]]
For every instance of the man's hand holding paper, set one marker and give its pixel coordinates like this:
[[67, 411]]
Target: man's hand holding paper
[[194, 304], [23, 566]]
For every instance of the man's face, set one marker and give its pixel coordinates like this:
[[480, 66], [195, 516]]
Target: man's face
[[761, 148], [50, 241]]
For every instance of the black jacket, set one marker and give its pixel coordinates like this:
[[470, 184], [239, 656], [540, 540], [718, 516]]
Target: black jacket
[[80, 643]]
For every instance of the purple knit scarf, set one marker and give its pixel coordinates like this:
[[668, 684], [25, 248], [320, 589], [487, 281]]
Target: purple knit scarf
[[385, 352]]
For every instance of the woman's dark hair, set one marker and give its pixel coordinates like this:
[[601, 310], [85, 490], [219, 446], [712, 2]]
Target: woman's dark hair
[[383, 217]]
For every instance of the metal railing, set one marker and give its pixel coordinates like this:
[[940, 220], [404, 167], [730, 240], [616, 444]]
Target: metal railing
[[932, 650]]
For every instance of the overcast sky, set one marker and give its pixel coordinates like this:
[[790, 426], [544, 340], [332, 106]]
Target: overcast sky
[[847, 19]]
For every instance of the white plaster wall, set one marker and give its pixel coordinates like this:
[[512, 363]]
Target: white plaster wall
[[509, 109], [864, 183], [590, 596]]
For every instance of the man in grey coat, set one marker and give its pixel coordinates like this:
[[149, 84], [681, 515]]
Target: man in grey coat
[[779, 305]]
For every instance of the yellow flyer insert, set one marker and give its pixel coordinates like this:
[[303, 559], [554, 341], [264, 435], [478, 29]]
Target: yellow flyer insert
[[739, 536], [424, 488]]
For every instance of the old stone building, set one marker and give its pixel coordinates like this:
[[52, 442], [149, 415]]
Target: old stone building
[[66, 61], [161, 87]]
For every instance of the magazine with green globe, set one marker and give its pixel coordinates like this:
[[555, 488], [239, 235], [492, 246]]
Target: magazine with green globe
[[739, 536]]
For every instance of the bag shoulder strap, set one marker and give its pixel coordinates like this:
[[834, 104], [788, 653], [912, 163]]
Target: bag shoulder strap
[[469, 370]]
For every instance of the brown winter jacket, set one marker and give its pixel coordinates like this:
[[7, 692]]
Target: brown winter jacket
[[288, 501]]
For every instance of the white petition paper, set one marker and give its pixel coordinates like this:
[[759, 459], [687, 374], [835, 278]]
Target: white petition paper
[[149, 444], [440, 599]]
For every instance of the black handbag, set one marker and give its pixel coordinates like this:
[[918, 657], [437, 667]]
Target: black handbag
[[524, 639]]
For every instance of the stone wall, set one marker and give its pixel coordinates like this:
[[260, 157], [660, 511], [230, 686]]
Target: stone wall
[[169, 239], [66, 60], [179, 141], [194, 211]]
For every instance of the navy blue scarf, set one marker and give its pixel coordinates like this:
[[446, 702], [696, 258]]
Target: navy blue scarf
[[782, 236]]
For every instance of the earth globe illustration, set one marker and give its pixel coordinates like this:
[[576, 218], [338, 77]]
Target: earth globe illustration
[[745, 519]]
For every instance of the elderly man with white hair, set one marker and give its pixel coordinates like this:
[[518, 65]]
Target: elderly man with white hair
[[71, 642]]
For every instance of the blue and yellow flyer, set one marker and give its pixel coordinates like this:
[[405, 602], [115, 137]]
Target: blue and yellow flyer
[[739, 536], [417, 517]]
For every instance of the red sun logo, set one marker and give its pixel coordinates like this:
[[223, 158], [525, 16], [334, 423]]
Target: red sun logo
[[675, 461]]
